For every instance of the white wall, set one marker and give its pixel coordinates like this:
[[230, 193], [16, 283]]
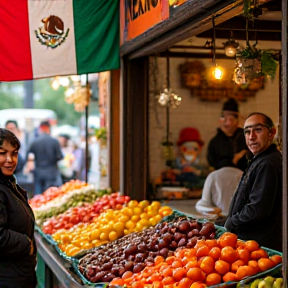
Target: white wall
[[203, 115]]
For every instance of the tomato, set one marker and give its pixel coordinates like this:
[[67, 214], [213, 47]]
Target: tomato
[[74, 219], [59, 225]]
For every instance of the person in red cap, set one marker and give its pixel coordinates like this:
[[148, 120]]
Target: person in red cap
[[187, 168]]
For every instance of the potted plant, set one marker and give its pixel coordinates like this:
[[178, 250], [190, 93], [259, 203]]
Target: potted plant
[[101, 134]]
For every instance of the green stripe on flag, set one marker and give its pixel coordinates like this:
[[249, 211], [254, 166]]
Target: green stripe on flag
[[96, 24]]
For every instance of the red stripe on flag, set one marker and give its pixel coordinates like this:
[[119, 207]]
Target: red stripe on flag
[[15, 54]]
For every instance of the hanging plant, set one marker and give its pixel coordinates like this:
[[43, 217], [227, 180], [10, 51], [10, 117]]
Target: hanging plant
[[253, 63]]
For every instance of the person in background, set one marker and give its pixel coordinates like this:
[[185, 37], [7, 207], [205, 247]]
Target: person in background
[[47, 153], [219, 188], [66, 164], [12, 126], [79, 164], [228, 147], [255, 211], [17, 244]]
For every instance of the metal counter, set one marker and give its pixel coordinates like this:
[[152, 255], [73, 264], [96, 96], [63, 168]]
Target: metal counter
[[55, 267]]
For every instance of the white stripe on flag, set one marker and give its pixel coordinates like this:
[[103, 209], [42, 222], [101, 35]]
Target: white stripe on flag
[[47, 61]]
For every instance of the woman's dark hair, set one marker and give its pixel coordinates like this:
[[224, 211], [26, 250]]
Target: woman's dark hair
[[8, 136]]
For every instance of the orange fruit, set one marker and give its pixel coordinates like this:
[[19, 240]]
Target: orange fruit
[[202, 251], [230, 276], [168, 280], [127, 274], [207, 264], [235, 265], [240, 244], [211, 243], [196, 274], [179, 273], [265, 264], [213, 279], [177, 263], [257, 254], [243, 254], [117, 281], [167, 272], [227, 239], [192, 264], [184, 283], [244, 271], [198, 285], [251, 245], [254, 265], [229, 254], [276, 259], [222, 267], [215, 253], [157, 284]]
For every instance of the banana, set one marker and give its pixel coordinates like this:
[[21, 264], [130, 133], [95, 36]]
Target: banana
[[255, 283], [267, 282], [278, 283]]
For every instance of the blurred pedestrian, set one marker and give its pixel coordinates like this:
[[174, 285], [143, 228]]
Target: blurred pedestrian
[[17, 244], [47, 153]]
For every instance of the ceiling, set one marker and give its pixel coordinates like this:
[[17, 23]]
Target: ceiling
[[264, 29]]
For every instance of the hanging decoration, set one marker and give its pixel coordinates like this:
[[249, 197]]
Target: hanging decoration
[[168, 99], [251, 62], [76, 93]]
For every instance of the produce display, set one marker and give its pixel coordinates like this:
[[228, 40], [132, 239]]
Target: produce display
[[132, 253], [111, 225], [85, 213], [110, 238], [150, 257], [60, 203]]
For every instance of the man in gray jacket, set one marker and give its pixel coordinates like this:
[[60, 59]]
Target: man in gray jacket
[[47, 153]]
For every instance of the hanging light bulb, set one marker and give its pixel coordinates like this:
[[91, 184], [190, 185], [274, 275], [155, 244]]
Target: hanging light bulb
[[230, 46], [217, 72]]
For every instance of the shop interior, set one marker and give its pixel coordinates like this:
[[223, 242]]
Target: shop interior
[[196, 97]]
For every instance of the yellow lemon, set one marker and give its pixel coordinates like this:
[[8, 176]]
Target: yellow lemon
[[113, 236], [130, 224], [135, 218], [127, 211], [153, 221], [119, 227], [95, 234], [143, 204], [132, 203], [124, 219], [104, 236], [155, 204], [144, 216], [137, 210]]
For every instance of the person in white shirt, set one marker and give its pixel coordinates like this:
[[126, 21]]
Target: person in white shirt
[[219, 188]]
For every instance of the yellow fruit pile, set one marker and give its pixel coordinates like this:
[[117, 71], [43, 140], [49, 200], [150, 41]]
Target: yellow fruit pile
[[111, 225]]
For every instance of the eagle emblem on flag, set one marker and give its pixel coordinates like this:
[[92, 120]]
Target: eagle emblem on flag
[[52, 33]]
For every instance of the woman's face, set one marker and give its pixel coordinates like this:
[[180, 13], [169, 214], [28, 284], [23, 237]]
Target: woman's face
[[8, 158]]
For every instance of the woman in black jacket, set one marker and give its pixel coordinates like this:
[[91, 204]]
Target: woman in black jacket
[[17, 245]]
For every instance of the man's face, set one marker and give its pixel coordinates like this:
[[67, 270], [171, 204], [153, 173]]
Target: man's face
[[229, 123], [258, 135]]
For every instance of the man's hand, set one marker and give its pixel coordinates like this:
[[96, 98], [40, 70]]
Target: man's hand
[[238, 156]]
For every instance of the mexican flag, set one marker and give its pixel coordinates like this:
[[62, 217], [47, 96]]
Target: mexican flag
[[45, 38]]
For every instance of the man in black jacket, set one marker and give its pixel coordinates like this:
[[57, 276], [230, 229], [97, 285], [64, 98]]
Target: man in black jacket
[[228, 147], [255, 211]]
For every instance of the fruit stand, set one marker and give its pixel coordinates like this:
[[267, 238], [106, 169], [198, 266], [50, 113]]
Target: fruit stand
[[110, 239]]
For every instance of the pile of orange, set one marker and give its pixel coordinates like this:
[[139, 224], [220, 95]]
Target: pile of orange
[[210, 262]]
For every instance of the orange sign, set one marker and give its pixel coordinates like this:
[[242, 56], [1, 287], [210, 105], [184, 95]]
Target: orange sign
[[140, 15]]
